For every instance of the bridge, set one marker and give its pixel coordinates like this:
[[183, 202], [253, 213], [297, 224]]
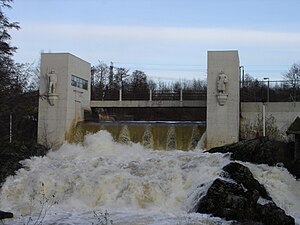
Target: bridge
[[255, 91], [150, 99]]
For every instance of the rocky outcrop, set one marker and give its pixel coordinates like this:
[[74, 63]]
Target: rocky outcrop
[[242, 175], [263, 151], [12, 154], [239, 197], [5, 215]]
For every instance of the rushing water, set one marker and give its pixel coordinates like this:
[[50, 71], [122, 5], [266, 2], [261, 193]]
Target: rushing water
[[77, 184], [162, 135]]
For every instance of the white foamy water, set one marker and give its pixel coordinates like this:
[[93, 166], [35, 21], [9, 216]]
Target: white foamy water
[[283, 188], [136, 186]]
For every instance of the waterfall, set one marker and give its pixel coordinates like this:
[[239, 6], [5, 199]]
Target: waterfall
[[124, 137], [153, 135], [148, 138], [194, 138], [171, 138]]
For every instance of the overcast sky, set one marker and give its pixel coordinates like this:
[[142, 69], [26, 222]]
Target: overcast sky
[[168, 39]]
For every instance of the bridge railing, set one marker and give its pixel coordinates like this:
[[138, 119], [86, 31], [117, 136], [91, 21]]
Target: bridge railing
[[270, 91], [151, 95], [253, 91]]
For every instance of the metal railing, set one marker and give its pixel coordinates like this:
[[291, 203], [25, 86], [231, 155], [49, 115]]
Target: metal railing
[[250, 91], [270, 91], [151, 95]]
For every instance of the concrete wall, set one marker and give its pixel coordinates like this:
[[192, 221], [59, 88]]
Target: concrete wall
[[59, 111], [279, 116], [222, 120]]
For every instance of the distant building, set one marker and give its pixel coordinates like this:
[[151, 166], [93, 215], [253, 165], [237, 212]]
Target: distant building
[[294, 129]]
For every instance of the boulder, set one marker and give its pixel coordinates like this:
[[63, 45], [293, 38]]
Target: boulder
[[237, 199], [271, 214], [242, 175], [228, 200], [5, 215]]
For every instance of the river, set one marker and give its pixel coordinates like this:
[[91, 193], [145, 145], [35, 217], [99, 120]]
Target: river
[[100, 181]]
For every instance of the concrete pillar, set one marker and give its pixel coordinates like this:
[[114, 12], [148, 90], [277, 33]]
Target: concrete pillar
[[223, 88], [150, 95], [64, 95], [120, 94], [181, 95]]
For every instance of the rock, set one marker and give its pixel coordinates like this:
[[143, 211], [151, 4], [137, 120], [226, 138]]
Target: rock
[[5, 215], [12, 154], [237, 200], [228, 200], [262, 151], [270, 214], [242, 175]]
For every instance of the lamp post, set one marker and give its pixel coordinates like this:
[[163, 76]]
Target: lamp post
[[242, 71], [268, 90], [264, 106]]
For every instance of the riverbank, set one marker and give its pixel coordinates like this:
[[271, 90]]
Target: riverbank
[[12, 154]]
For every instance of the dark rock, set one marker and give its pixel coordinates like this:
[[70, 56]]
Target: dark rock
[[5, 215], [12, 154], [238, 201], [242, 175], [8, 165], [229, 201], [270, 214], [262, 151]]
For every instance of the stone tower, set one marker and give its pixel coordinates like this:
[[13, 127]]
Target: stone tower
[[223, 98], [64, 95]]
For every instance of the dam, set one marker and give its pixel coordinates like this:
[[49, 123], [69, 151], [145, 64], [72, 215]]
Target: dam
[[65, 97], [123, 170]]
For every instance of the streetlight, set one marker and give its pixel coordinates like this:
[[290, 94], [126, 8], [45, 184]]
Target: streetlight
[[268, 90], [264, 107], [242, 71]]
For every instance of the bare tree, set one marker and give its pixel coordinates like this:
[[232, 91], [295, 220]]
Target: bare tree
[[293, 79], [120, 77], [293, 75], [138, 84], [100, 75]]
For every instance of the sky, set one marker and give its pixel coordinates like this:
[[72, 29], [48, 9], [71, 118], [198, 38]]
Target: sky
[[167, 39]]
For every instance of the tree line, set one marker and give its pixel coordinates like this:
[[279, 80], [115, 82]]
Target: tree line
[[108, 81], [16, 91]]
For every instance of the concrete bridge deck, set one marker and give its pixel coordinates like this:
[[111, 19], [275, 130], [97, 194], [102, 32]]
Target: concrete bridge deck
[[149, 104]]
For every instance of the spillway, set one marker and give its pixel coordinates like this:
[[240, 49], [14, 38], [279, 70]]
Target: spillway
[[158, 135]]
